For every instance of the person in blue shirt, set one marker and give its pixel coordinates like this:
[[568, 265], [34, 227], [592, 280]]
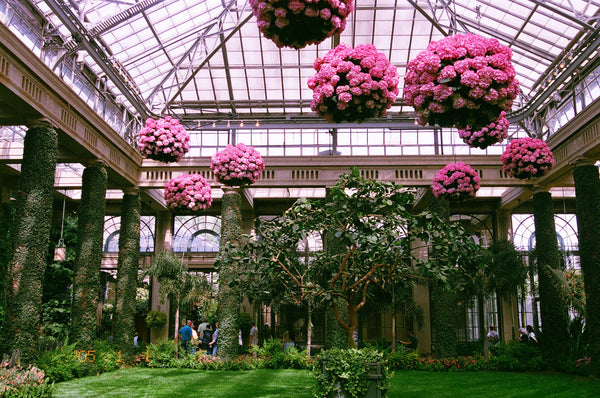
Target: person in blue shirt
[[185, 334], [215, 338]]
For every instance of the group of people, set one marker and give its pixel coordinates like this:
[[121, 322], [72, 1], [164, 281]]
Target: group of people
[[202, 337], [527, 336]]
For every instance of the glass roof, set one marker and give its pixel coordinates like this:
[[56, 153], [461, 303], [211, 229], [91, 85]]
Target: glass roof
[[205, 60]]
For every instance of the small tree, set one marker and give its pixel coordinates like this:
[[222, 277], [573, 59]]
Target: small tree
[[372, 220], [177, 283]]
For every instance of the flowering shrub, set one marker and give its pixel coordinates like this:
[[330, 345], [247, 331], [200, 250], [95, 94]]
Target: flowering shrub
[[462, 72], [456, 181], [489, 135], [237, 165], [164, 140], [353, 84], [298, 23], [188, 192], [527, 157], [18, 382]]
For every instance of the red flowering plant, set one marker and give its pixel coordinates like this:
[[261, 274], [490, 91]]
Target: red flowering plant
[[164, 140], [353, 84], [526, 158], [456, 181], [188, 192], [237, 165], [462, 80], [298, 23], [489, 135]]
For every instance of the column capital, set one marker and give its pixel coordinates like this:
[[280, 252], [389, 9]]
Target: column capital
[[583, 161], [37, 123], [536, 188], [95, 162], [131, 190]]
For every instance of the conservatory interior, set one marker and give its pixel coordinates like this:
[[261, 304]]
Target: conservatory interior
[[95, 71]]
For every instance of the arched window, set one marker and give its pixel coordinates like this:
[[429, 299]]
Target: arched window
[[112, 228], [197, 234]]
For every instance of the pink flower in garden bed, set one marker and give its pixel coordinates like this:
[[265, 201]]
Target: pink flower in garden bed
[[455, 181], [353, 84], [298, 23], [164, 140], [188, 192], [526, 158], [489, 135], [462, 80], [237, 165]]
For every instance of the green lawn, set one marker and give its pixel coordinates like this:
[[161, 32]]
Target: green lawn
[[141, 382]]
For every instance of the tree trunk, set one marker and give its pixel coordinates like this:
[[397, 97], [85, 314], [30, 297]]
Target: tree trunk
[[553, 310], [31, 240], [309, 330], [127, 273], [587, 207]]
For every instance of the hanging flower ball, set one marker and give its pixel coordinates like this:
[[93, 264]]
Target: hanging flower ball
[[237, 165], [298, 23], [353, 84], [164, 140], [526, 158], [455, 181], [188, 192], [489, 135], [462, 80]]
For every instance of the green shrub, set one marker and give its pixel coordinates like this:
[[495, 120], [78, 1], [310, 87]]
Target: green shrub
[[517, 356], [107, 358], [161, 354], [18, 382], [348, 370], [404, 359], [156, 319], [60, 364]]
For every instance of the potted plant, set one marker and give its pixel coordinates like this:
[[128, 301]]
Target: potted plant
[[350, 373]]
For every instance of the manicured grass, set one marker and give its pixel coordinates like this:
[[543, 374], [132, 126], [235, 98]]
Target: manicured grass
[[151, 383]]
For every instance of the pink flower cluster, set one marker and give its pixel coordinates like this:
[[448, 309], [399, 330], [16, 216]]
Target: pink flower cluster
[[527, 157], [237, 165], [188, 192], [353, 84], [466, 72], [164, 140], [297, 23], [455, 181], [489, 135]]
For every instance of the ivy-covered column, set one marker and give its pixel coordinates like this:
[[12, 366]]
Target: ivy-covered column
[[443, 300], [587, 207], [127, 273], [553, 310], [31, 240], [7, 212], [229, 297], [88, 256], [335, 335]]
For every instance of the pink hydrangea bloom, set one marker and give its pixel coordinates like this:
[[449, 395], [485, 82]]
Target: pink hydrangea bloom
[[164, 140], [489, 135], [188, 192], [479, 73], [456, 181], [237, 165], [526, 158], [298, 23], [371, 88]]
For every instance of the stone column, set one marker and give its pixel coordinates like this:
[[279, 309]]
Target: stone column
[[164, 241], [587, 208], [88, 256], [421, 297], [228, 297], [508, 311], [31, 240], [127, 273], [552, 308]]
